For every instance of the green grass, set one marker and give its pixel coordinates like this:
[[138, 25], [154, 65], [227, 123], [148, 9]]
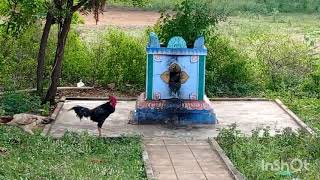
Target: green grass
[[239, 29], [147, 4], [73, 156], [233, 6], [250, 155], [308, 109], [246, 29]]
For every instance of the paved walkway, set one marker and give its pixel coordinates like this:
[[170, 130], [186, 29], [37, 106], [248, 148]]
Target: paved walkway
[[248, 115], [181, 159], [180, 154]]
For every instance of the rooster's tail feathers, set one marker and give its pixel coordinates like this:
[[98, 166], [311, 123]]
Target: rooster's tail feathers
[[81, 111]]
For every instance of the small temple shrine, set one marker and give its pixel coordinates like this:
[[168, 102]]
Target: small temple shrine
[[175, 84]]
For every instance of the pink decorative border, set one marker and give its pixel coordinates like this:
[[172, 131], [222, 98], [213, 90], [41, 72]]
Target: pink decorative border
[[188, 104]]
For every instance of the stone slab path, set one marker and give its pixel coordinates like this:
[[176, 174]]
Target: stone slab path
[[248, 115], [181, 159]]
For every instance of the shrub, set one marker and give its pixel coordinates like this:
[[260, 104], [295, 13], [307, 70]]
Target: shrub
[[116, 58], [285, 63], [134, 3], [119, 58], [312, 83], [190, 20], [228, 71], [18, 58], [14, 103], [77, 63], [77, 18], [162, 4], [307, 108]]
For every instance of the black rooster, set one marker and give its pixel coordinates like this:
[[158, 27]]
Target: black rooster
[[98, 114]]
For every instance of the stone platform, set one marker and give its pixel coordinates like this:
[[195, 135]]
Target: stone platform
[[174, 111], [248, 115]]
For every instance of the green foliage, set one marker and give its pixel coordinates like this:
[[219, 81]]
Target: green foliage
[[291, 6], [134, 3], [93, 63], [18, 59], [20, 14], [228, 71], [253, 6], [306, 106], [119, 58], [162, 4], [285, 63], [14, 103], [312, 83], [249, 153], [76, 156], [77, 18], [280, 62], [115, 58], [77, 62], [190, 20]]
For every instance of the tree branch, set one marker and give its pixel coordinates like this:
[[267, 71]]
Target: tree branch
[[78, 6]]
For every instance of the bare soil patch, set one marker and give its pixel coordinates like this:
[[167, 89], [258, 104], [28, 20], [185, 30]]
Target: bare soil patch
[[96, 92], [123, 18]]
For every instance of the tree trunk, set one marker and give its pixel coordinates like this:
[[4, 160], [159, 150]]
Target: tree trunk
[[56, 72], [42, 53]]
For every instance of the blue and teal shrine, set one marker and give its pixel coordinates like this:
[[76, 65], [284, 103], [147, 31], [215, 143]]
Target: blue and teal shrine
[[175, 84]]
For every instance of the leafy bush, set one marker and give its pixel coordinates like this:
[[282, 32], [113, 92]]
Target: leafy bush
[[18, 58], [162, 4], [293, 6], [228, 71], [13, 103], [119, 58], [285, 63], [17, 16], [134, 3], [77, 62], [190, 20], [312, 83], [305, 106], [77, 18], [249, 154]]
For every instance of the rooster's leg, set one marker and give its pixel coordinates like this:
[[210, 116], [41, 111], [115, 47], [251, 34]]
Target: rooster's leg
[[100, 123], [99, 129]]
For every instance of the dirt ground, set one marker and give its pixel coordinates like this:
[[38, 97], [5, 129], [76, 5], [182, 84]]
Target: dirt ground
[[123, 18], [96, 92]]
